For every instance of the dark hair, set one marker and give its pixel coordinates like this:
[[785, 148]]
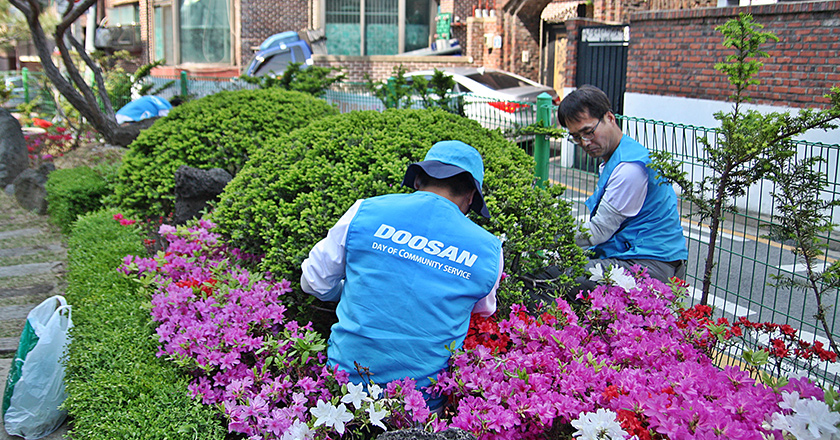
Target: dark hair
[[176, 101], [459, 184], [585, 100]]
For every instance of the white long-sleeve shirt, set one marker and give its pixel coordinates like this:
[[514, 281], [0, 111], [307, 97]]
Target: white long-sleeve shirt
[[623, 198]]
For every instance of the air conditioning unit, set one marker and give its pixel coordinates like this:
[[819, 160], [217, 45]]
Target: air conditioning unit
[[120, 37]]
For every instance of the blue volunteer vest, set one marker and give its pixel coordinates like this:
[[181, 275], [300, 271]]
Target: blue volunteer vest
[[415, 268], [655, 233]]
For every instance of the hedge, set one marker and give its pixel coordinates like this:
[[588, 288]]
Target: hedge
[[116, 386], [72, 192], [295, 188], [217, 131]]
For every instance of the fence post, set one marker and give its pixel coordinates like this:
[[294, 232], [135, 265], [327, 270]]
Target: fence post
[[25, 79], [541, 140], [183, 84]]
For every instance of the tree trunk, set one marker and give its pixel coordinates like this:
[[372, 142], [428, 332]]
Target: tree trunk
[[77, 92]]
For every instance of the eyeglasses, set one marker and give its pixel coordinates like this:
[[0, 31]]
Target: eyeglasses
[[578, 138]]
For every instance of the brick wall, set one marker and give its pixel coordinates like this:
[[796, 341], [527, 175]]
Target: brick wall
[[379, 67], [522, 34], [573, 28], [674, 52]]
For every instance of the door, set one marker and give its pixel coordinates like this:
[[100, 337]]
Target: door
[[602, 62]]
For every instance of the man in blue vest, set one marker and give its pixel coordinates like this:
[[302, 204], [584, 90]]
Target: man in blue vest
[[144, 107], [633, 215], [407, 271]]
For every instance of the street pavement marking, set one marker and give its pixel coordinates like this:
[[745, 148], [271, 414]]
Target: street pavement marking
[[702, 233], [802, 267], [721, 304]]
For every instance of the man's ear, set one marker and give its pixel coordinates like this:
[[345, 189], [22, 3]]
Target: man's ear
[[417, 182]]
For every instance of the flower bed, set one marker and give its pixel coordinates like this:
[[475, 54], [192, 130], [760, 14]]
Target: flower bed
[[629, 362]]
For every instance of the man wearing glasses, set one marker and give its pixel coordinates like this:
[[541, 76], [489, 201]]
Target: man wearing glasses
[[633, 216]]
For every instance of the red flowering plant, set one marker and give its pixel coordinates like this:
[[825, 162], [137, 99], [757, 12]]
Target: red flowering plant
[[626, 364], [55, 141]]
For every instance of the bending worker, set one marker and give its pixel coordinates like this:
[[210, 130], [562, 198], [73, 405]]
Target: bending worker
[[407, 271], [145, 107], [633, 216]]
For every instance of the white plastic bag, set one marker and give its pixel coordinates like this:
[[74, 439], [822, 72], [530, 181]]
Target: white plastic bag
[[35, 386]]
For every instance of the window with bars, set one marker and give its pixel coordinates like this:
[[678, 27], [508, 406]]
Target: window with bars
[[375, 27]]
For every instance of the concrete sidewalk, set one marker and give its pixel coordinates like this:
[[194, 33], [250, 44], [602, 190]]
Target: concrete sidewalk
[[32, 261]]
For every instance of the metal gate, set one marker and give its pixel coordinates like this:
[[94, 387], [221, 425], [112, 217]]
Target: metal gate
[[602, 61]]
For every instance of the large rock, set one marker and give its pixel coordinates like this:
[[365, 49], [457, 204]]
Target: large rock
[[14, 158], [194, 188], [30, 188], [419, 434]]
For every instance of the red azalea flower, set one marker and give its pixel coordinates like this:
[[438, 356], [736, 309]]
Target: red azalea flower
[[41, 123]]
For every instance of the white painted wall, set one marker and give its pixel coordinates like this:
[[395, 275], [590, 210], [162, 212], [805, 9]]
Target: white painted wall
[[700, 112]]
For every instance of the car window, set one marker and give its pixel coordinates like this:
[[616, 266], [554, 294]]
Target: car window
[[460, 88], [276, 63], [298, 53], [497, 80]]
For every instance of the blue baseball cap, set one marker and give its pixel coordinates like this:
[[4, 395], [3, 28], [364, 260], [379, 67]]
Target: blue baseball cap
[[450, 158]]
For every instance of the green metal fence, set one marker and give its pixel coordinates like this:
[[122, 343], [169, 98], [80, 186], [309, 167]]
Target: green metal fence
[[26, 86], [745, 256]]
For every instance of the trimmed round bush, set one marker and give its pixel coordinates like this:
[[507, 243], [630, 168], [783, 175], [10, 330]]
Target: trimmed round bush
[[218, 131], [296, 187], [72, 192]]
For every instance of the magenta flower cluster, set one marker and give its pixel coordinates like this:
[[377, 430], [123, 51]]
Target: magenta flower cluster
[[625, 353], [227, 326]]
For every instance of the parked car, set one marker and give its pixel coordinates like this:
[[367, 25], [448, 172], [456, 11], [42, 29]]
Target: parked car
[[277, 52], [495, 98]]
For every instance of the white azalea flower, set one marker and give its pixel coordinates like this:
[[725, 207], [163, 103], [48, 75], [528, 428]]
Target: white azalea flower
[[377, 416], [298, 431], [789, 400], [339, 417], [810, 419], [375, 391], [600, 425], [819, 418], [503, 237], [321, 412], [355, 395], [329, 415], [621, 277], [597, 273]]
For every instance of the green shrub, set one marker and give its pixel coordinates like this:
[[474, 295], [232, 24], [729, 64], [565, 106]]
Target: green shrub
[[296, 187], [218, 131], [72, 192], [116, 386]]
